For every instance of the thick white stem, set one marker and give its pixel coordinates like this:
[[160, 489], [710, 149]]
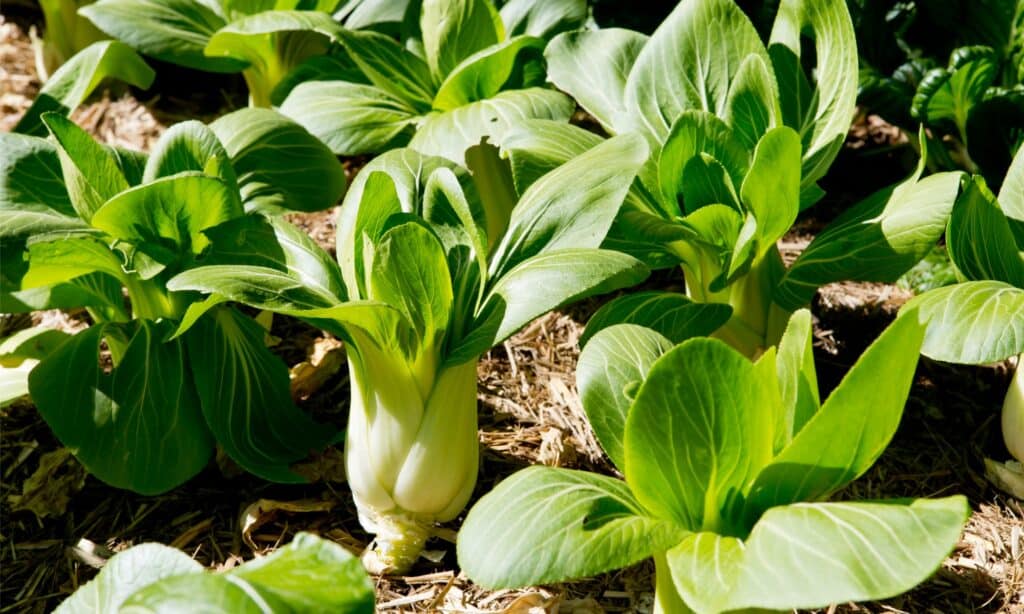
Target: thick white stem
[[1013, 413]]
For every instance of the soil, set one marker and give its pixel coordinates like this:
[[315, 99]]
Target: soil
[[529, 413]]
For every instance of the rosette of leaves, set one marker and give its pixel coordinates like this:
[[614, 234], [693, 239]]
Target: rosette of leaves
[[65, 33], [981, 319], [976, 98], [438, 267], [86, 226], [308, 575], [462, 71], [271, 42], [739, 134], [728, 466]]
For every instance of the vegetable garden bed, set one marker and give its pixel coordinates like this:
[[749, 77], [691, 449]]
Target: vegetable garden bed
[[60, 524]]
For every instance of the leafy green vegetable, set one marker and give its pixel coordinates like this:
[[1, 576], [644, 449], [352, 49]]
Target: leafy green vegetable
[[740, 133], [726, 476], [465, 72], [65, 33], [84, 227], [310, 574], [439, 266]]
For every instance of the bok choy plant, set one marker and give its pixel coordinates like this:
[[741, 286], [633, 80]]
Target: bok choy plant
[[65, 33], [265, 40], [739, 134], [728, 464], [465, 71], [439, 266], [85, 226], [981, 320], [308, 575]]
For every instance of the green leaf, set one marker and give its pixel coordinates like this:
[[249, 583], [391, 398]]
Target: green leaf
[[617, 360], [671, 314], [246, 399], [165, 218], [487, 72], [52, 262], [879, 239], [798, 379], [972, 323], [410, 272], [259, 286], [698, 433], [852, 428], [535, 147], [542, 283], [91, 174], [274, 159], [180, 593], [336, 66], [351, 119], [948, 94], [1011, 194], [771, 189], [450, 134], [126, 573], [190, 146], [308, 575], [704, 567], [543, 19], [684, 67], [391, 67], [814, 555], [980, 239], [752, 107], [697, 132], [820, 115], [545, 525], [139, 427], [549, 217], [75, 80], [19, 354], [453, 30], [33, 198], [593, 66], [175, 31]]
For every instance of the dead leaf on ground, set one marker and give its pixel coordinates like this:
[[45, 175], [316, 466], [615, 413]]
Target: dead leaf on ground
[[48, 491], [326, 359], [265, 510]]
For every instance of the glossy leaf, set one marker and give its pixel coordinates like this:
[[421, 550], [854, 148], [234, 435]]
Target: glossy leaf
[[391, 67], [453, 30], [972, 323], [671, 314], [33, 198], [542, 19], [771, 189], [546, 525], [798, 378], [980, 239], [487, 72]]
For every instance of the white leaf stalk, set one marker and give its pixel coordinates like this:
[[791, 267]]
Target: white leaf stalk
[[410, 453], [1013, 413]]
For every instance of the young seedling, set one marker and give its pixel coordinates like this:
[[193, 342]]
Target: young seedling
[[727, 467]]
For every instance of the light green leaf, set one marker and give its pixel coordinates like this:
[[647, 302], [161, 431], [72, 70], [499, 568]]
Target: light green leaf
[[671, 314], [879, 239], [274, 159], [1011, 194], [534, 147], [698, 433], [752, 107], [53, 262], [91, 174], [771, 189], [174, 31], [542, 283], [972, 323], [139, 427], [165, 218], [545, 525], [822, 114], [704, 567], [814, 555], [488, 71], [124, 574], [217, 594], [798, 379], [450, 134], [19, 354], [689, 64], [258, 286], [33, 198], [453, 30], [593, 66], [391, 67], [72, 83], [980, 239], [617, 360], [549, 217], [544, 18], [190, 146], [246, 399], [852, 428], [697, 132], [351, 119]]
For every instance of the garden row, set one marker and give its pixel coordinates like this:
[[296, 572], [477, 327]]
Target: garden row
[[485, 208]]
